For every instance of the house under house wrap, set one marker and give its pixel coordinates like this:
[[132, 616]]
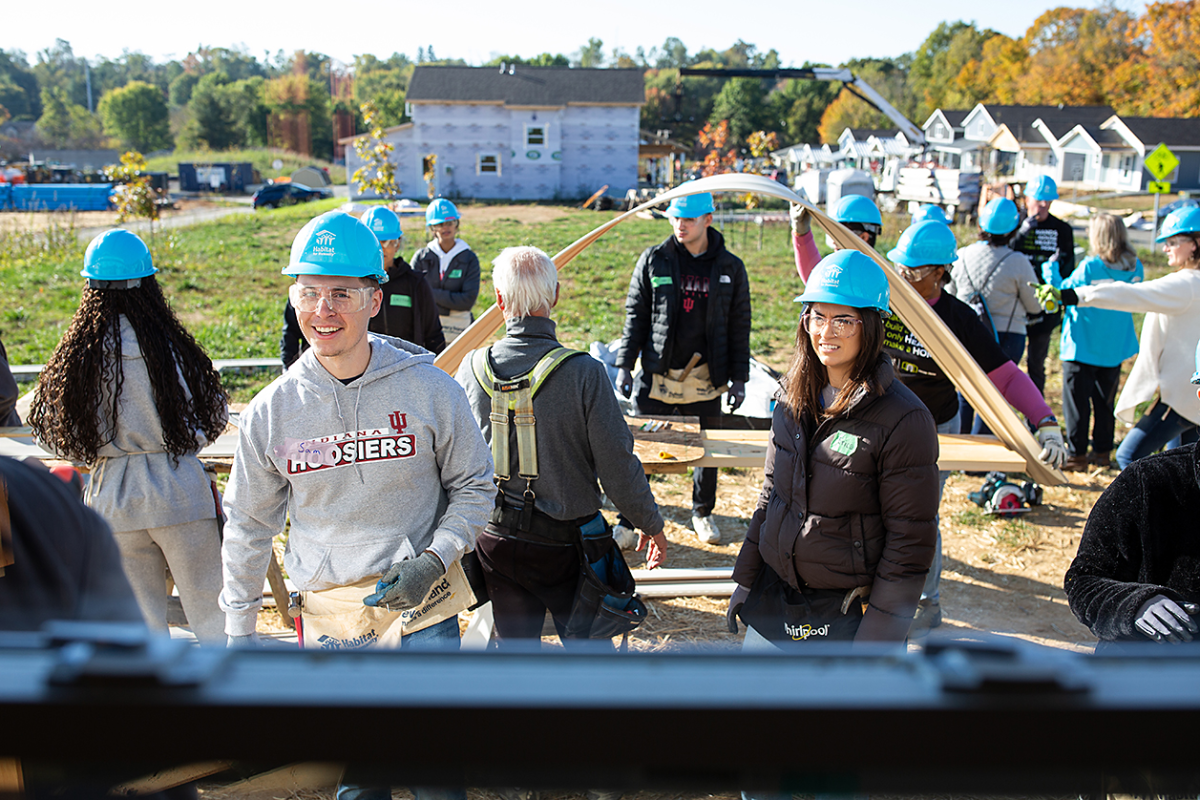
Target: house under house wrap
[[516, 133]]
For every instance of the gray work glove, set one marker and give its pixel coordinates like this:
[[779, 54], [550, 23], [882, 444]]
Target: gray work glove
[[735, 605], [249, 640], [1054, 450], [624, 382], [737, 394], [801, 219], [406, 583], [1162, 619]]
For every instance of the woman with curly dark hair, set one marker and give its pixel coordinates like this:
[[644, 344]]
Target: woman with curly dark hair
[[130, 393]]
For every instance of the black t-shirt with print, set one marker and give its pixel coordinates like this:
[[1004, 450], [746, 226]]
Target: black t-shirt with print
[[691, 324], [917, 370]]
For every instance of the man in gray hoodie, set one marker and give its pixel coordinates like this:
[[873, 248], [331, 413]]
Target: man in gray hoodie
[[530, 561], [364, 444]]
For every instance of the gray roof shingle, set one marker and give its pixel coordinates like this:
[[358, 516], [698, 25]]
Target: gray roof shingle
[[1059, 119], [1152, 130], [527, 86]]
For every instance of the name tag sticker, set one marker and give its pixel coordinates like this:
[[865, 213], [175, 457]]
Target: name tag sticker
[[402, 300], [844, 443], [660, 280], [726, 279], [455, 274]]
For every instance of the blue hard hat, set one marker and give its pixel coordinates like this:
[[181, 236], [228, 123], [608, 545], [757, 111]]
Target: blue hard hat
[[336, 243], [930, 212], [383, 222], [439, 211], [1181, 220], [857, 208], [848, 278], [1000, 216], [925, 244], [1042, 187], [117, 255], [691, 206]]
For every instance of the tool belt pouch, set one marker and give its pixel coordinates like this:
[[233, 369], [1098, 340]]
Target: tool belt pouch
[[696, 388], [336, 619], [473, 571], [783, 614], [606, 603]]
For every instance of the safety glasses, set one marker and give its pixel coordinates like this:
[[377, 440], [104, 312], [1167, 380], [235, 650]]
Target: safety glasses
[[341, 300], [840, 327]]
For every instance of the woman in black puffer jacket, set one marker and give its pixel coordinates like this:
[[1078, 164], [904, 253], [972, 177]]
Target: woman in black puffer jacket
[[844, 530]]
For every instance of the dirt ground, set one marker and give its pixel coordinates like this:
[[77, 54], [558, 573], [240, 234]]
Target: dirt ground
[[26, 221]]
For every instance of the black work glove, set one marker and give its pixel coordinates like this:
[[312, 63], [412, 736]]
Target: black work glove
[[406, 583], [1163, 620], [735, 605], [624, 382], [737, 394]]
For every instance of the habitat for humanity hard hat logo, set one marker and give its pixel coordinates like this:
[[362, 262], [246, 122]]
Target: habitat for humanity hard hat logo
[[324, 244], [832, 273]]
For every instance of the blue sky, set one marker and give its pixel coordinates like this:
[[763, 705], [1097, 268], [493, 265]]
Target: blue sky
[[476, 30]]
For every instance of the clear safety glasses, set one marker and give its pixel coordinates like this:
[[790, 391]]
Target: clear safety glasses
[[914, 273], [840, 327], [341, 300]]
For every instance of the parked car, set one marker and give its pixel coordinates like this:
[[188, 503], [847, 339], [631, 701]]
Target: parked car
[[287, 194]]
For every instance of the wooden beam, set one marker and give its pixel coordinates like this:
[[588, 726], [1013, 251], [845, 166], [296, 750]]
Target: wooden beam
[[912, 309]]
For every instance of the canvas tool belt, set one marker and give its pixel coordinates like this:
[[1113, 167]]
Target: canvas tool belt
[[454, 323], [782, 613], [336, 619], [681, 386]]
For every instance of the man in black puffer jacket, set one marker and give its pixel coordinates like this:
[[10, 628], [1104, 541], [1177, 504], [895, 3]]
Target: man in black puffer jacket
[[687, 316]]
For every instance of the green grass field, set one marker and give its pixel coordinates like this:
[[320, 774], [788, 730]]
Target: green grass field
[[223, 278]]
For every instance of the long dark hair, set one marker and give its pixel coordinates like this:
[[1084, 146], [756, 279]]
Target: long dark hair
[[81, 384], [807, 377]]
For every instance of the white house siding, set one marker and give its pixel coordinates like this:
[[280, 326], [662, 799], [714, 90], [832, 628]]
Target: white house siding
[[585, 147], [599, 146]]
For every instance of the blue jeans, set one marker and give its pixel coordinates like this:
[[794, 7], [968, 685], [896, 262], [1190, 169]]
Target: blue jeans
[[1013, 346], [441, 636], [1160, 426], [933, 580]]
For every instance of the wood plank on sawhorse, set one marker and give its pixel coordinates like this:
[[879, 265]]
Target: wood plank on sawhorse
[[740, 448]]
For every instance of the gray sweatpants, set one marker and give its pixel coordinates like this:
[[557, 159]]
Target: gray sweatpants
[[193, 552]]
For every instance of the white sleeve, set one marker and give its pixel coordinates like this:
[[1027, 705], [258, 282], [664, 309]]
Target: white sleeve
[[1170, 295]]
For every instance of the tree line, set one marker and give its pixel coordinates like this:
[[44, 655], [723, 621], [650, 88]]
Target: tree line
[[221, 98]]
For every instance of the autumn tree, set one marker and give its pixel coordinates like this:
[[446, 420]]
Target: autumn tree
[[132, 194], [886, 76], [1162, 78], [378, 173], [942, 67], [797, 106], [1070, 50], [742, 103], [714, 138]]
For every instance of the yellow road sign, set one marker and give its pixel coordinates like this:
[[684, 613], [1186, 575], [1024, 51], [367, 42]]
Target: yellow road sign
[[1161, 162], [1158, 187]]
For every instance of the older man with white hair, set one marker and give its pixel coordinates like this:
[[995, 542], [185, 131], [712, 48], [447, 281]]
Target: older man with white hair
[[547, 510]]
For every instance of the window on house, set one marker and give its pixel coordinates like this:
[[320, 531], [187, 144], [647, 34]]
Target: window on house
[[535, 135], [939, 131], [487, 164]]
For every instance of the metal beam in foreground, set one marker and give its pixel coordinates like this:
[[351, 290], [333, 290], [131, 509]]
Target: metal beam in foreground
[[999, 717]]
